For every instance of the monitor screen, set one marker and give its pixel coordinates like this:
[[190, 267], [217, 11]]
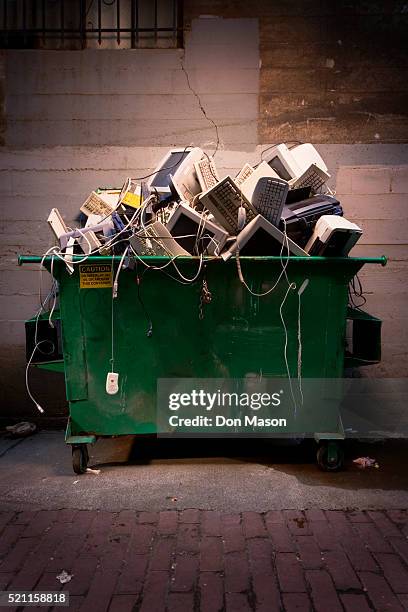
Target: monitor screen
[[170, 166], [276, 164], [262, 243], [189, 228]]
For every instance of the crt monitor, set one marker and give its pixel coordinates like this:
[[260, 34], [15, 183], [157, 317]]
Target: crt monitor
[[195, 233], [175, 164], [292, 163], [260, 238]]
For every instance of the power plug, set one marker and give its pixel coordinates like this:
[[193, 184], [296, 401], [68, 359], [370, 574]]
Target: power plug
[[112, 386]]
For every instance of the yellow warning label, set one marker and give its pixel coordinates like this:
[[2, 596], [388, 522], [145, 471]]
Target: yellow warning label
[[95, 276], [132, 199]]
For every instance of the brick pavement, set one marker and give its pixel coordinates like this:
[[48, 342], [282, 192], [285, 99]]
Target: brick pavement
[[202, 560]]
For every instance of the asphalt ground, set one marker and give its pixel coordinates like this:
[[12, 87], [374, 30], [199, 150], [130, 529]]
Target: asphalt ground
[[239, 475]]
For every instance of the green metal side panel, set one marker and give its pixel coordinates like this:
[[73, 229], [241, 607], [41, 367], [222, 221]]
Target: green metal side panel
[[51, 366]]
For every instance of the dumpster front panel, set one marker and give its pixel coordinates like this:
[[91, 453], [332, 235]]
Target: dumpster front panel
[[240, 335]]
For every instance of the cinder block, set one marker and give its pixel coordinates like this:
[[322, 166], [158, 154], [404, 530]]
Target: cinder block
[[233, 81], [371, 179], [399, 180], [221, 57], [132, 108], [12, 335], [343, 180], [161, 132], [18, 308], [383, 232], [97, 70], [395, 252], [23, 282], [389, 206], [77, 183]]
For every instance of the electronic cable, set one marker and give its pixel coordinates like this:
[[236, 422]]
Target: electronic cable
[[37, 405], [285, 242], [139, 279], [37, 344], [292, 286]]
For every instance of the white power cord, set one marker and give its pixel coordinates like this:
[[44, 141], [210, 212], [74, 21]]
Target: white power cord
[[299, 336], [291, 287], [37, 405], [37, 344]]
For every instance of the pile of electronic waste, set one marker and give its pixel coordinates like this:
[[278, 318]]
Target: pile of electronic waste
[[184, 208]]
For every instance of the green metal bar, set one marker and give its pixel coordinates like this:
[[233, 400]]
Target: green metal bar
[[51, 366], [35, 259], [75, 439]]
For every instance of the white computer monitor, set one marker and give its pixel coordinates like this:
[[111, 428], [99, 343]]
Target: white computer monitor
[[261, 238], [176, 169], [305, 155], [281, 160], [291, 164], [184, 225]]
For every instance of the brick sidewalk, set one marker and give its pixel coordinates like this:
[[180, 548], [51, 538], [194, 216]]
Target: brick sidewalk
[[191, 560]]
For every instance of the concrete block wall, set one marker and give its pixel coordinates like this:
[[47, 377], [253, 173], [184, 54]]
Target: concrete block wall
[[375, 197], [138, 98], [81, 119], [331, 71], [76, 120]]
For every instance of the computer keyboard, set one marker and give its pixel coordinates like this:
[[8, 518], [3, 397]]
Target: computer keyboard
[[156, 239], [243, 174], [313, 177], [224, 201], [269, 198], [206, 173], [95, 205]]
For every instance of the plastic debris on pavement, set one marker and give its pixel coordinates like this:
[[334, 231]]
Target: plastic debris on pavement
[[21, 430], [91, 471], [64, 577], [366, 462]]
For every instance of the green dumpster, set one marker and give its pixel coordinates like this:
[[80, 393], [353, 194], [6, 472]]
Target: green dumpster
[[163, 329]]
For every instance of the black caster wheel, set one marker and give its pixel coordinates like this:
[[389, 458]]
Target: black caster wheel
[[80, 458], [330, 457]]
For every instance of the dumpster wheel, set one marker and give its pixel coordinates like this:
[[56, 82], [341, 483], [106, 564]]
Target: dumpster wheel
[[80, 458], [330, 456]]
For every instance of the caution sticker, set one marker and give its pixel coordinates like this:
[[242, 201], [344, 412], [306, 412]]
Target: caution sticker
[[133, 199], [95, 276]]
